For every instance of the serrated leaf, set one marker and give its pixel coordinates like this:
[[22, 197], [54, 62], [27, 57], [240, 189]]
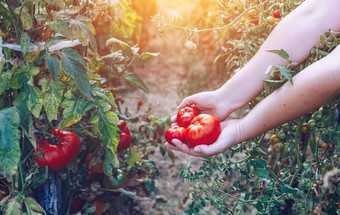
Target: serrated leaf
[[34, 102], [26, 121], [74, 65], [282, 53], [263, 173], [13, 207], [286, 72], [53, 65], [9, 140], [73, 109], [147, 55], [33, 207], [287, 189], [105, 95], [135, 80], [25, 42], [26, 19], [133, 157], [107, 125], [4, 80], [110, 161], [81, 31], [52, 97]]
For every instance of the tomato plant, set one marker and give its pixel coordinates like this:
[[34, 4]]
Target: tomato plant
[[185, 115], [204, 129]]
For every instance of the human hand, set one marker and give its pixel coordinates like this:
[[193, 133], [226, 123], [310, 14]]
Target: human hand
[[210, 102], [229, 137]]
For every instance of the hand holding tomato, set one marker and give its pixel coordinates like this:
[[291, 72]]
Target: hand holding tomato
[[227, 138], [185, 115]]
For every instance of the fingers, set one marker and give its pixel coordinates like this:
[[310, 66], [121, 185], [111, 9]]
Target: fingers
[[188, 101]]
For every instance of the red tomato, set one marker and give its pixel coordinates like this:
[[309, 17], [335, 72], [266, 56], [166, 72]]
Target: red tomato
[[97, 168], [185, 115], [57, 156], [253, 13], [175, 132], [124, 142], [255, 21], [203, 130], [123, 127], [104, 86], [276, 14]]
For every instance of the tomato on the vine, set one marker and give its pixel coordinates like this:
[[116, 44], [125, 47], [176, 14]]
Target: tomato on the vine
[[175, 132], [97, 168], [120, 179], [253, 13], [324, 145], [103, 86], [203, 130], [304, 127], [255, 21], [185, 115], [312, 123], [124, 136], [124, 142], [282, 135], [275, 138], [123, 127], [57, 156], [270, 20], [276, 14], [317, 115]]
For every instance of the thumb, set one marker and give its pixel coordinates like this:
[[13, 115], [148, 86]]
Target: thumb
[[188, 101]]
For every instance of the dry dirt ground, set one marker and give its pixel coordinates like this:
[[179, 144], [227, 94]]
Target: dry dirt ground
[[163, 76]]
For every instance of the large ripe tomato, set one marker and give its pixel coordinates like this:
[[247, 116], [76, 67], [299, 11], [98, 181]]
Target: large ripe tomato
[[57, 156], [124, 142], [175, 132], [185, 115], [203, 130]]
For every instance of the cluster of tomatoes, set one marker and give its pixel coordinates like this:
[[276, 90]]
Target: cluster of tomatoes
[[253, 15], [194, 128]]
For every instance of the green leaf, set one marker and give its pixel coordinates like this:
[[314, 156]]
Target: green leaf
[[286, 72], [278, 203], [135, 80], [81, 31], [107, 125], [34, 102], [52, 97], [26, 121], [53, 65], [25, 41], [259, 163], [111, 161], [147, 55], [106, 95], [26, 19], [74, 65], [4, 80], [73, 109], [33, 207], [263, 173], [13, 207], [9, 140], [133, 157], [282, 53], [287, 189]]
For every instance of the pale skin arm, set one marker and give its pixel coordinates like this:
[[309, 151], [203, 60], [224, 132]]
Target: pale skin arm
[[297, 33], [312, 87]]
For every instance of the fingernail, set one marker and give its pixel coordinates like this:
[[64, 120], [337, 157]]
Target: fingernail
[[197, 150]]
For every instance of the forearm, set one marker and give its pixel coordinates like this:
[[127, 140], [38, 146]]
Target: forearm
[[311, 88], [297, 33]]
